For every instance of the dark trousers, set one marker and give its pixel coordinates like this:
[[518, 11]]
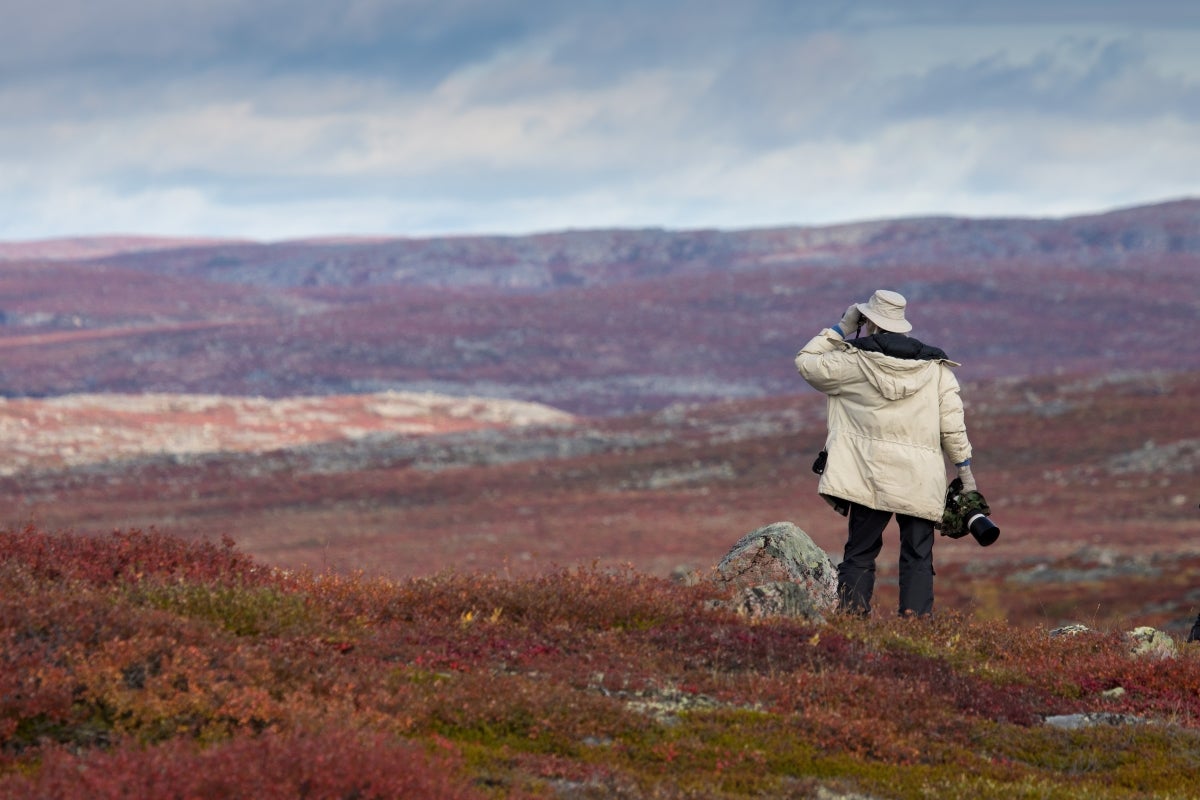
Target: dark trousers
[[856, 573]]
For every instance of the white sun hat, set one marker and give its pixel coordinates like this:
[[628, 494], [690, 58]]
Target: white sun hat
[[886, 309]]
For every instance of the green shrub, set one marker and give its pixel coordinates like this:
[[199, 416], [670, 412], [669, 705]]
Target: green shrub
[[241, 610]]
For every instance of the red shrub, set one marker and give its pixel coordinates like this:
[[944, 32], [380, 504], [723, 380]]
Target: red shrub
[[727, 643], [588, 598], [125, 555], [334, 765]]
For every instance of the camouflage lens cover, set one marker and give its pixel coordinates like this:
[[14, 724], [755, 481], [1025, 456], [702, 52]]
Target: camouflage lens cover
[[961, 507]]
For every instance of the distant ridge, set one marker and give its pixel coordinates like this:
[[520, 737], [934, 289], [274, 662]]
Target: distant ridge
[[1179, 220], [89, 247], [588, 258]]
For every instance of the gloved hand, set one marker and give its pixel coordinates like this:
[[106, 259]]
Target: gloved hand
[[851, 321], [964, 475]]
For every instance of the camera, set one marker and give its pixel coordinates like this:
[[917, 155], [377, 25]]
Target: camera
[[967, 512]]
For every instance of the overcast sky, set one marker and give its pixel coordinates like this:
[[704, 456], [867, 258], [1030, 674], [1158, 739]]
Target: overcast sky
[[274, 119]]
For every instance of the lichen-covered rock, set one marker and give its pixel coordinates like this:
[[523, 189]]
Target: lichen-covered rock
[[1146, 642], [778, 599], [779, 570]]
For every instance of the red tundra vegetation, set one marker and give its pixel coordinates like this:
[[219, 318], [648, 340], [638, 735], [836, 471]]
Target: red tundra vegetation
[[138, 664], [283, 584]]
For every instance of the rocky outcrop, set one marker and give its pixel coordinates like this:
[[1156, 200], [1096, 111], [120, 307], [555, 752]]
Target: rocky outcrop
[[778, 570], [88, 429]]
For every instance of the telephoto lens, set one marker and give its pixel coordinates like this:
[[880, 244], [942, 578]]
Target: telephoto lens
[[967, 512], [983, 529]]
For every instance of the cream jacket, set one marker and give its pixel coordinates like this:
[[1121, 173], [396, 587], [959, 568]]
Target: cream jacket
[[890, 421]]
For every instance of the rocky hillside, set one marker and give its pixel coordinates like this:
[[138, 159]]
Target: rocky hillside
[[548, 262]]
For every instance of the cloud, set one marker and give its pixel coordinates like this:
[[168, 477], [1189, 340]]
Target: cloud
[[420, 36], [422, 116], [1080, 78]]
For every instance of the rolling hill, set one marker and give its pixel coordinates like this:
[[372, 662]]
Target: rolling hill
[[594, 322]]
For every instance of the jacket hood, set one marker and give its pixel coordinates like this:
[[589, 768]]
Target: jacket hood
[[898, 365], [898, 345]]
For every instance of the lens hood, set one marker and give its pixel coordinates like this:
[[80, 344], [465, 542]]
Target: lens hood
[[983, 529]]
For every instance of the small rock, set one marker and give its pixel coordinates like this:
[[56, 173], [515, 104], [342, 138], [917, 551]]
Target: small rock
[[824, 793], [1070, 630], [685, 575], [1073, 722]]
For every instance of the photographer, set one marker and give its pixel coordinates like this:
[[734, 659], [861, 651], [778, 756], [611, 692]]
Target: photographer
[[894, 409]]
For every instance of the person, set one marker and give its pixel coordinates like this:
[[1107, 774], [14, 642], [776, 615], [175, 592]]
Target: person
[[894, 409]]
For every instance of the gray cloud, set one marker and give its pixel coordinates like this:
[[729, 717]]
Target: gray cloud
[[115, 56], [264, 35], [1088, 79]]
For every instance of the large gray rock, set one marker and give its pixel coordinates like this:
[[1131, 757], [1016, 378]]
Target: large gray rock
[[779, 570]]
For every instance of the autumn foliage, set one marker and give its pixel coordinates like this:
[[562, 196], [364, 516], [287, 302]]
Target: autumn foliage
[[141, 665]]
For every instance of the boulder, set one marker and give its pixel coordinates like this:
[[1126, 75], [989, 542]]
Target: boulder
[[778, 570]]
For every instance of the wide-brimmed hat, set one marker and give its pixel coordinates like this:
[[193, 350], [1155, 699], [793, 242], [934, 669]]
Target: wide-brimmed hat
[[886, 309]]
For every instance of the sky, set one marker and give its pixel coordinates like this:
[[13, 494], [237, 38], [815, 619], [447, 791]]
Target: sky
[[282, 119]]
